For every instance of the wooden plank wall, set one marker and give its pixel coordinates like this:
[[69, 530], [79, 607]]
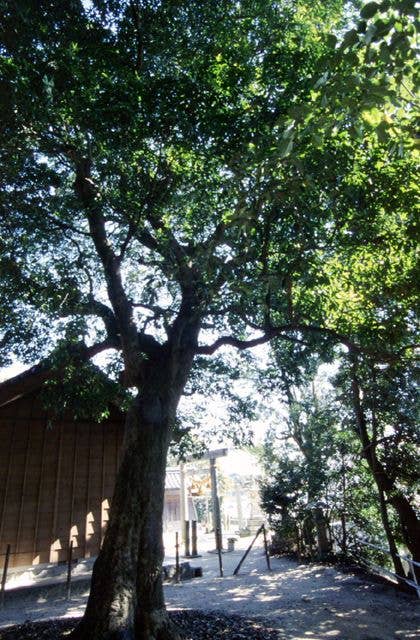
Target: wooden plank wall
[[56, 482], [172, 511]]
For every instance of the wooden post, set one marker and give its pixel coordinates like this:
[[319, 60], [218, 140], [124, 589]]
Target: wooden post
[[217, 524], [267, 555], [212, 455], [8, 477], [187, 538], [102, 529], [298, 543], [194, 552], [4, 577], [183, 500], [176, 557], [73, 480], [238, 497], [248, 550], [69, 566], [88, 493], [219, 551]]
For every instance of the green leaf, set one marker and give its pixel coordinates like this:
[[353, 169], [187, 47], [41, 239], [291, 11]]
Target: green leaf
[[382, 131], [369, 10], [284, 147], [350, 39], [331, 41], [382, 28], [384, 52], [322, 80], [408, 7]]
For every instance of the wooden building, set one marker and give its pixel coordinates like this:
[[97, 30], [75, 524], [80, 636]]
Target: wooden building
[[56, 476], [172, 506]]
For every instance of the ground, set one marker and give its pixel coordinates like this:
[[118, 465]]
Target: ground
[[291, 602]]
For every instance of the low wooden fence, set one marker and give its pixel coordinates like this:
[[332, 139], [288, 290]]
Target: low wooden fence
[[5, 570], [410, 563], [67, 582]]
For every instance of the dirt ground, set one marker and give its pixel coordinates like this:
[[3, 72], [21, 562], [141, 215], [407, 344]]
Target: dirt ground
[[302, 602]]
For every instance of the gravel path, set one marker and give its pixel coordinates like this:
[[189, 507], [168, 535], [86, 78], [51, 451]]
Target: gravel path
[[194, 625], [292, 602]]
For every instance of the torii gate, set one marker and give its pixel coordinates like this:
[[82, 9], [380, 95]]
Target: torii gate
[[217, 522]]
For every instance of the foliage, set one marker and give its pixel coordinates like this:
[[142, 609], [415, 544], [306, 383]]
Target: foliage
[[97, 393], [316, 454], [206, 164], [390, 394], [300, 461], [180, 176]]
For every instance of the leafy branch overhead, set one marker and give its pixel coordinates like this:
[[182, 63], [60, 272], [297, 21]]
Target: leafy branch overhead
[[180, 176], [215, 183]]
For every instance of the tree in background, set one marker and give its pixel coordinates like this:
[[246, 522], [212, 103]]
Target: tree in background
[[366, 279], [174, 170], [356, 453], [381, 405], [299, 455]]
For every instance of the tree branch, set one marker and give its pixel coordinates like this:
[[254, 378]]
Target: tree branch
[[89, 196], [281, 332], [106, 314], [65, 226], [247, 344], [278, 332]]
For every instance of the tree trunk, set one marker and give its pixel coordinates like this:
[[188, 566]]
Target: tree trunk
[[323, 543], [126, 599], [389, 534], [343, 514], [410, 525]]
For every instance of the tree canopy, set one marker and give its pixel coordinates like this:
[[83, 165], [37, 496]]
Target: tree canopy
[[234, 168], [179, 176]]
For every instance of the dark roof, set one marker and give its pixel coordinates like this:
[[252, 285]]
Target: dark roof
[[32, 380], [24, 383], [173, 478]]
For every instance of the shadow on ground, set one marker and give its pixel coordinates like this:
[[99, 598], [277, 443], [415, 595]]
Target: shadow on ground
[[302, 602]]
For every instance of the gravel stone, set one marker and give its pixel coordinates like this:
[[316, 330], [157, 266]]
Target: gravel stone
[[194, 625]]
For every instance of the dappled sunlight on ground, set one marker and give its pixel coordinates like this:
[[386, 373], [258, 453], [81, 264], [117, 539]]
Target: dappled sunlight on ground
[[303, 602]]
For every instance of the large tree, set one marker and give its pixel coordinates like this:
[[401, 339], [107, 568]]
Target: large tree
[[367, 279], [150, 194]]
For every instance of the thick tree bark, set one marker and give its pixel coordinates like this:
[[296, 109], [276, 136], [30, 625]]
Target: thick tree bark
[[323, 543], [126, 598]]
